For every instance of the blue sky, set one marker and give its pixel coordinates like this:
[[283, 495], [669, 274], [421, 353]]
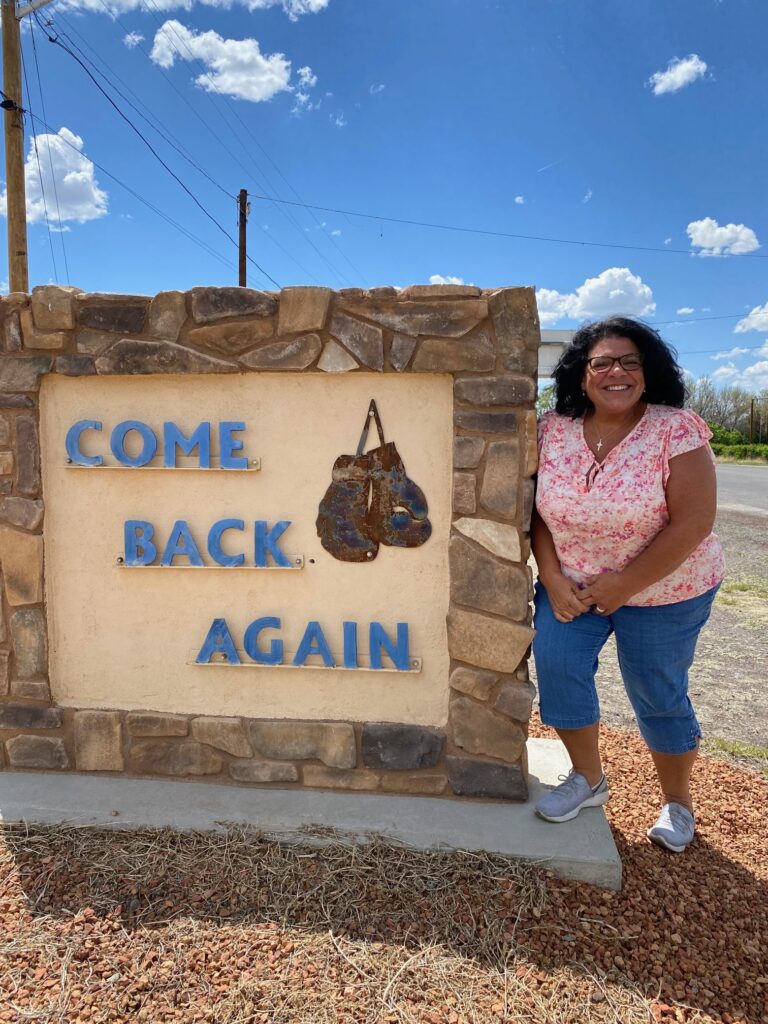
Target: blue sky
[[619, 122]]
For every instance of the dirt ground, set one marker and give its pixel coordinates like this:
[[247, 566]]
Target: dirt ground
[[729, 677]]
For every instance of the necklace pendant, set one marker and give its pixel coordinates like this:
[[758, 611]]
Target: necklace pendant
[[599, 444]]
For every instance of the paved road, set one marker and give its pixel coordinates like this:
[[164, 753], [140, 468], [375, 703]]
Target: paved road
[[742, 487]]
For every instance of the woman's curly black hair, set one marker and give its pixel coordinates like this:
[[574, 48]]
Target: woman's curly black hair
[[664, 384]]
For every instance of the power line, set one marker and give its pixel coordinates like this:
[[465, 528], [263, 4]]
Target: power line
[[40, 172], [163, 131], [706, 351], [219, 139], [222, 259], [50, 154], [226, 105], [700, 319], [498, 234], [136, 195], [151, 148]]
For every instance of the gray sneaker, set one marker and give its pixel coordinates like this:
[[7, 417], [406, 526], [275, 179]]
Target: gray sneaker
[[566, 800], [674, 828]]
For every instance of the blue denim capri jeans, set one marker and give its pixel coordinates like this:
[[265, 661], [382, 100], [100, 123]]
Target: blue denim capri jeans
[[655, 646]]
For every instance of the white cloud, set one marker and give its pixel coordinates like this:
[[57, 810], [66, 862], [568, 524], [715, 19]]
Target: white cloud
[[236, 67], [439, 279], [757, 320], [307, 78], [714, 239], [681, 71], [732, 353], [752, 378], [587, 196], [685, 310], [293, 8], [80, 198], [303, 102], [614, 292], [377, 88], [338, 120], [336, 232], [755, 377], [725, 373], [667, 241], [520, 200], [132, 39]]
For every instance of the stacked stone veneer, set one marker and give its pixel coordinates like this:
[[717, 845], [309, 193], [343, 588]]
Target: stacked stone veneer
[[487, 341]]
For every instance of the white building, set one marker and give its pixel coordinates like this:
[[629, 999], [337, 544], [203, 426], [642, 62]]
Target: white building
[[552, 345]]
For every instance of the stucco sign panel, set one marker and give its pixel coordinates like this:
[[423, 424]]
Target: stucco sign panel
[[197, 583]]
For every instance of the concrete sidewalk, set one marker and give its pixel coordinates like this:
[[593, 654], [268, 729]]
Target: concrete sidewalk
[[581, 849]]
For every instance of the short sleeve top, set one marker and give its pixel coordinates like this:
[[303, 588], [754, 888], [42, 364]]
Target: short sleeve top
[[601, 519]]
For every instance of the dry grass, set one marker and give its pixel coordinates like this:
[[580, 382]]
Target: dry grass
[[104, 925], [234, 927]]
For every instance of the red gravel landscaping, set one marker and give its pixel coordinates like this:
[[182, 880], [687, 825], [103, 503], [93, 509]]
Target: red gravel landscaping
[[99, 925]]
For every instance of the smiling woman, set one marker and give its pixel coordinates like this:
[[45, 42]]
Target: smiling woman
[[623, 540]]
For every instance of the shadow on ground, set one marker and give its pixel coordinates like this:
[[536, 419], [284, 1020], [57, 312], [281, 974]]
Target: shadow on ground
[[690, 929]]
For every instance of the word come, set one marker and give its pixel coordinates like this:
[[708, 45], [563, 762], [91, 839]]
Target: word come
[[141, 548], [313, 644], [126, 434]]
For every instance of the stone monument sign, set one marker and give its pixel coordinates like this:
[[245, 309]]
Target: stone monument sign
[[269, 538]]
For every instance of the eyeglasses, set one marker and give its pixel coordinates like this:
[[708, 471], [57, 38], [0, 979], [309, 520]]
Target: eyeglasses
[[602, 364]]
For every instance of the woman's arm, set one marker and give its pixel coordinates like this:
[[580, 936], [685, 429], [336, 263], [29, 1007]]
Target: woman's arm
[[692, 503], [565, 597]]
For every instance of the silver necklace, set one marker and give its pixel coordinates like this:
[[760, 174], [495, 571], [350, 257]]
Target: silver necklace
[[602, 439]]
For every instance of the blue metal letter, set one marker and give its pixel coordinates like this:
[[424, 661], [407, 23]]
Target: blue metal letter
[[266, 542], [214, 541], [399, 653], [117, 443], [314, 632], [172, 436], [73, 443], [218, 641], [350, 645], [181, 542], [251, 642], [229, 444], [139, 549]]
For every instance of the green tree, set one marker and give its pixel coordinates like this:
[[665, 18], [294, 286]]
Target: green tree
[[546, 400]]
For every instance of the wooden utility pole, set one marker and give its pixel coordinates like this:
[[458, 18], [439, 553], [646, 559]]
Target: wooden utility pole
[[243, 204], [751, 420], [15, 192], [16, 203]]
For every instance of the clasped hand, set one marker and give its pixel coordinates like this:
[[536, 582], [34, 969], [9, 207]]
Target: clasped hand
[[603, 593], [607, 591]]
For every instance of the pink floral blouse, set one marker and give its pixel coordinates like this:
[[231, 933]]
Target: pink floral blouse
[[600, 520]]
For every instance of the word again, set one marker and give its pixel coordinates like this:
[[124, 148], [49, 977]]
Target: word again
[[219, 642], [134, 444], [142, 549]]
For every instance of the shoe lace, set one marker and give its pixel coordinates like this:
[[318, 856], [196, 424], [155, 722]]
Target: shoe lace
[[568, 782]]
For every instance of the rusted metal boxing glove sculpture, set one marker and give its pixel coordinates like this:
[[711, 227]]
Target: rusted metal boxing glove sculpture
[[348, 526]]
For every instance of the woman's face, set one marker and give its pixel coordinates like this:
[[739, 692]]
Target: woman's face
[[617, 391]]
